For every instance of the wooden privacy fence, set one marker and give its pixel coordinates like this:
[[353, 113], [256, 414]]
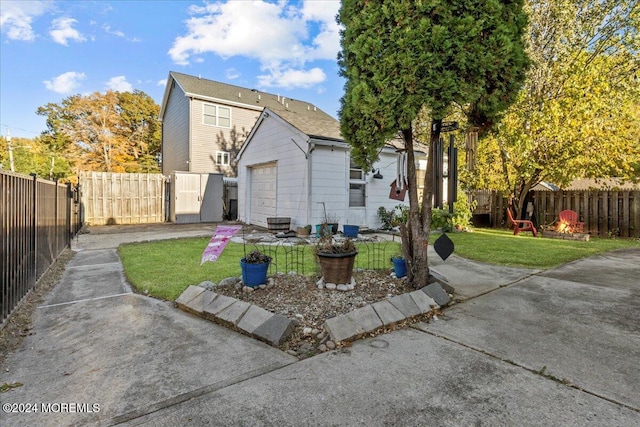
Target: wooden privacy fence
[[605, 213], [38, 219], [122, 198]]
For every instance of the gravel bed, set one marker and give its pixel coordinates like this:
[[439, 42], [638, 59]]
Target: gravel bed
[[298, 297]]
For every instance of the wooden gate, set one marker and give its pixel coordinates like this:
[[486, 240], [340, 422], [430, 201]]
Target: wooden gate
[[122, 198]]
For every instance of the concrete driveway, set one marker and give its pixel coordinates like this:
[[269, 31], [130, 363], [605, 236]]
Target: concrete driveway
[[552, 348], [578, 324]]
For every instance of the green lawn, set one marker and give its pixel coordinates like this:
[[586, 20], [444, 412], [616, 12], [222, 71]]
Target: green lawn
[[165, 268], [503, 248]]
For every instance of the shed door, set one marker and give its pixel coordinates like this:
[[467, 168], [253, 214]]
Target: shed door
[[263, 194], [187, 198]]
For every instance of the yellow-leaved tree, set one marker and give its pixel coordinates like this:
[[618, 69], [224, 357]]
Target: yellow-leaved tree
[[577, 115], [109, 132]]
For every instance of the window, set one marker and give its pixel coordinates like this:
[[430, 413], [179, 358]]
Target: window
[[357, 186], [216, 115], [222, 158]]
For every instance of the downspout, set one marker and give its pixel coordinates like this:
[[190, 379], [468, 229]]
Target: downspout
[[189, 132], [312, 147]]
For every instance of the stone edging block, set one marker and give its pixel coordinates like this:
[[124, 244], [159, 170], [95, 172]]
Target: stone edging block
[[216, 306], [424, 302], [405, 304], [342, 327], [240, 315], [253, 318], [387, 313], [275, 330], [190, 293], [197, 305], [231, 315], [435, 291]]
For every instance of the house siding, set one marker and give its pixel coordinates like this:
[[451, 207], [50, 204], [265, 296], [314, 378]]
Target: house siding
[[272, 143], [330, 184], [306, 188], [329, 187], [175, 133], [207, 139], [378, 189]]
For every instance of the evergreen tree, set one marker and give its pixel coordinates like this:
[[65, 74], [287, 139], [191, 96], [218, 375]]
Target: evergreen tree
[[402, 56]]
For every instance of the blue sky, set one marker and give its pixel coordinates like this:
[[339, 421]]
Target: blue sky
[[50, 50]]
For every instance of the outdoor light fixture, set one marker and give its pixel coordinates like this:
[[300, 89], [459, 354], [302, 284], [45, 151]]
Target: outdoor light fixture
[[378, 175]]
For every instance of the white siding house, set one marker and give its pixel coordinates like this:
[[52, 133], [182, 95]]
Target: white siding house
[[296, 165]]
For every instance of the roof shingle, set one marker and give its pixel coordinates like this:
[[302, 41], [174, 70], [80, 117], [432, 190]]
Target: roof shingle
[[303, 115]]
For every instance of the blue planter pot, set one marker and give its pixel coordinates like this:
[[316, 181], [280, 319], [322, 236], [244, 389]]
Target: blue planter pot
[[254, 274], [350, 230], [400, 267], [323, 230]]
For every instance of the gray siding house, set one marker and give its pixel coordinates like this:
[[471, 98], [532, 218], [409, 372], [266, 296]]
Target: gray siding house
[[204, 122]]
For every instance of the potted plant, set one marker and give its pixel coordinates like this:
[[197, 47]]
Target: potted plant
[[336, 259], [323, 230], [332, 222], [304, 231], [254, 268], [399, 265]]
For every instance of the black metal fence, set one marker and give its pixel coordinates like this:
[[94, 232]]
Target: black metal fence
[[373, 254], [38, 219]]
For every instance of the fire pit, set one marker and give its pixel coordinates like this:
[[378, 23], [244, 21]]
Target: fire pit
[[565, 232]]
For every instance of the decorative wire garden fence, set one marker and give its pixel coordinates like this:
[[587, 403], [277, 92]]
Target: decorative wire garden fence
[[299, 257]]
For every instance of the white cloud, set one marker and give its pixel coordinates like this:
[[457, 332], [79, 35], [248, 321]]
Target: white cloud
[[62, 31], [107, 29], [327, 42], [65, 83], [283, 37], [232, 73], [16, 18], [162, 82], [119, 84], [293, 78]]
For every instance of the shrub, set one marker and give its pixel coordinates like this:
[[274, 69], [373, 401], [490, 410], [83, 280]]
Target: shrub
[[393, 217], [460, 218]]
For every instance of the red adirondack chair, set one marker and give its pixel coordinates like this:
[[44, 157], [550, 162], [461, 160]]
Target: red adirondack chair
[[568, 222], [521, 224]]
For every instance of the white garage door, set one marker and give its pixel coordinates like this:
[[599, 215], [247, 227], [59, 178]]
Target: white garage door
[[263, 194]]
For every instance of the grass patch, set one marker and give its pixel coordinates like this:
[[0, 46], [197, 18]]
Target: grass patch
[[163, 269], [501, 247]]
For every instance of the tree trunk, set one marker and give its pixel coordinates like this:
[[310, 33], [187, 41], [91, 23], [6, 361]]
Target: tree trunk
[[415, 235]]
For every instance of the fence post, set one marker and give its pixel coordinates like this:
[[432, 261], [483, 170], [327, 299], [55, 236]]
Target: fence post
[[635, 214], [34, 224], [56, 216], [68, 209]]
